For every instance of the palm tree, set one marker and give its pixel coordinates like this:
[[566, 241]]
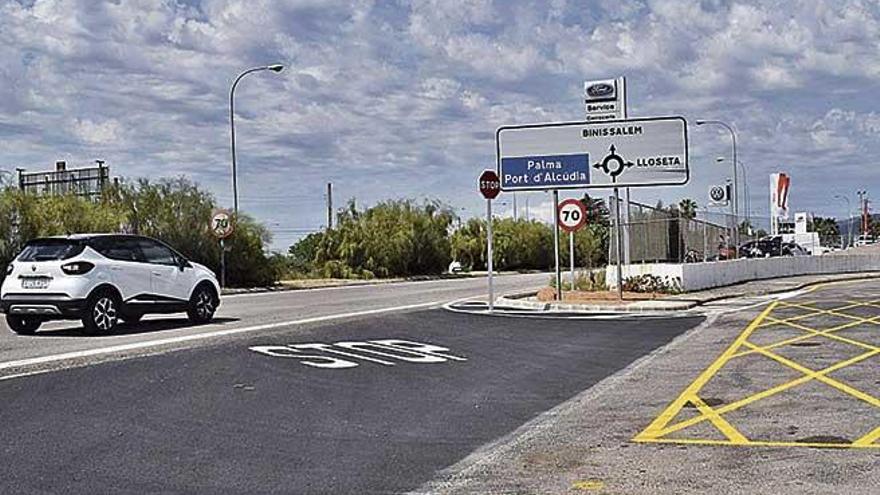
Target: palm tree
[[688, 208]]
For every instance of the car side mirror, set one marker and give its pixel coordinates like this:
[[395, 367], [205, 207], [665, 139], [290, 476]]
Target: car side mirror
[[183, 263]]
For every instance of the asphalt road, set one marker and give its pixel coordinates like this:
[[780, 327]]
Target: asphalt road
[[251, 414], [63, 339], [779, 398]]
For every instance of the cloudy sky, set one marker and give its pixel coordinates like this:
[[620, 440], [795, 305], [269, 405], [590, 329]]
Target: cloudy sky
[[401, 98]]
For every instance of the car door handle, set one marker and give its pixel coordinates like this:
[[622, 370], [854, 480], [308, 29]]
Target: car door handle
[[158, 274]]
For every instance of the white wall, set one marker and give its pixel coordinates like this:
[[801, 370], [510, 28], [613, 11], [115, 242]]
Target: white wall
[[697, 276]]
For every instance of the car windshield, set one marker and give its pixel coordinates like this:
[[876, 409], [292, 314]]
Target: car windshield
[[50, 250]]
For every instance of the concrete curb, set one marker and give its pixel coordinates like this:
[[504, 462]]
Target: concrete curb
[[516, 300], [634, 307]]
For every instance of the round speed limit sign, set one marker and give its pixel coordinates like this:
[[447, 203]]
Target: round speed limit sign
[[221, 224], [572, 215]]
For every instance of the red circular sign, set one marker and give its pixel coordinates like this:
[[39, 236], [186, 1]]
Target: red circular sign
[[489, 184], [572, 215]]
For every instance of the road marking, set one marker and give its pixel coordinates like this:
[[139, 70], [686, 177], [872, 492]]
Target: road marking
[[396, 349], [659, 430], [480, 279], [54, 358]]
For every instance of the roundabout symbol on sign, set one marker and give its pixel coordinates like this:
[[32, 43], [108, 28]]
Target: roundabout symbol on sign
[[572, 215], [619, 165]]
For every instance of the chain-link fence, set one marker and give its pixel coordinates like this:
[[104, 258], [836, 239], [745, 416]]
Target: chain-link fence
[[657, 234]]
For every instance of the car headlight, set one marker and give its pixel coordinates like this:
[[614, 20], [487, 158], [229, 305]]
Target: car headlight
[[77, 267]]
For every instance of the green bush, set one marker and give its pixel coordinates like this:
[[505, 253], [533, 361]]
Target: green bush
[[176, 211], [392, 239]]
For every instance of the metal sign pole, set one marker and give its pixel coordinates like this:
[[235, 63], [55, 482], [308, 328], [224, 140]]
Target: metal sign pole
[[618, 235], [571, 257], [222, 263], [556, 244], [489, 263]]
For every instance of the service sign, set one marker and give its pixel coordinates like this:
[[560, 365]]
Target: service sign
[[582, 155], [605, 99]]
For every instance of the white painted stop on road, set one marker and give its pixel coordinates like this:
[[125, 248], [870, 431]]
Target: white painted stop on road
[[572, 215]]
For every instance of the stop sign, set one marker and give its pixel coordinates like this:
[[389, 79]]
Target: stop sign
[[489, 184]]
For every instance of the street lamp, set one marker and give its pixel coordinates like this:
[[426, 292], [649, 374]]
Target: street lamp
[[273, 68], [849, 220], [735, 201]]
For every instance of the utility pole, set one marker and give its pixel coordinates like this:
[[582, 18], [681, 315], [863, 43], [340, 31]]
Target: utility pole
[[329, 205], [514, 206]]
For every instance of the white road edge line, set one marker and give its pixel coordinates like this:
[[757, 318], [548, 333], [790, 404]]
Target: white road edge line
[[200, 336], [480, 279]]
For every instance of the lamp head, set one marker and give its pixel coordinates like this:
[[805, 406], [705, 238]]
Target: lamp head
[[275, 67]]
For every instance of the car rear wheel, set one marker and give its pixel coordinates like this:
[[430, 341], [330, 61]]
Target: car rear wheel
[[102, 314], [23, 325], [202, 305]]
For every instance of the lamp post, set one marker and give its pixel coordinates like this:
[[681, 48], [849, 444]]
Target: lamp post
[[735, 200], [747, 203], [849, 221], [273, 68], [863, 212]]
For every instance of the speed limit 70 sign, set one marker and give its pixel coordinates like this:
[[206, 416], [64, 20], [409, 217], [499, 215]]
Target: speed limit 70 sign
[[572, 215], [221, 224]]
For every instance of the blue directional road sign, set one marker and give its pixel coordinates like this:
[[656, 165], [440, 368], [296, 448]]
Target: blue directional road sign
[[550, 171]]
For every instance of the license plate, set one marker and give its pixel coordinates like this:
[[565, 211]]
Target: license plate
[[34, 283]]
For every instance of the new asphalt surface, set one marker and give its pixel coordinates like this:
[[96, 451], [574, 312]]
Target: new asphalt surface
[[253, 414], [246, 311]]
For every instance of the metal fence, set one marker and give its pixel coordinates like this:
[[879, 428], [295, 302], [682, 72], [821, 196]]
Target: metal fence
[[657, 234]]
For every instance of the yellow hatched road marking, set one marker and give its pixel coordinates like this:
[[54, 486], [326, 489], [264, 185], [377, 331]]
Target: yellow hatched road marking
[[719, 422], [766, 393], [869, 439], [828, 334], [821, 376], [758, 443], [662, 426], [655, 429], [808, 336]]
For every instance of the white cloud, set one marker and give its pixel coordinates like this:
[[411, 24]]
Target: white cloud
[[402, 98]]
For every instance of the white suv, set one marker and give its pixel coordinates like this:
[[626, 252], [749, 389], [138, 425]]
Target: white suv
[[102, 278]]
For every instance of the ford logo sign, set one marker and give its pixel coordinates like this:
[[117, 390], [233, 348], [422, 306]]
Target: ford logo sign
[[599, 90]]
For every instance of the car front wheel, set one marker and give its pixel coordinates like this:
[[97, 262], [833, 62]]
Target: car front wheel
[[202, 305], [23, 325], [102, 314]]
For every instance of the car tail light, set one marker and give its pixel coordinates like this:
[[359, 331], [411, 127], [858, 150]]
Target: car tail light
[[77, 267]]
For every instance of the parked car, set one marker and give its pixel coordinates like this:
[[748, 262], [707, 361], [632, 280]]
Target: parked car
[[864, 240], [103, 279], [771, 246]]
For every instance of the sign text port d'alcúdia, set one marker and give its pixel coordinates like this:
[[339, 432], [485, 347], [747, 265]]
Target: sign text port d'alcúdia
[[577, 155]]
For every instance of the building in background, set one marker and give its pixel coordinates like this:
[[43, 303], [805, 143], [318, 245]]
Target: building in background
[[86, 181]]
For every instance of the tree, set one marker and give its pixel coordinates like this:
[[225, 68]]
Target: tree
[[392, 239], [176, 211], [688, 208], [829, 232], [303, 253]]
